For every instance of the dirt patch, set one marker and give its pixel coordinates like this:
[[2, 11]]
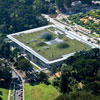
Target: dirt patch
[[80, 85], [84, 19], [58, 74], [22, 74]]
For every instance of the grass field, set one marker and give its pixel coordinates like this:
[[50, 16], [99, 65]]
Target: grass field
[[4, 93], [53, 50], [40, 92]]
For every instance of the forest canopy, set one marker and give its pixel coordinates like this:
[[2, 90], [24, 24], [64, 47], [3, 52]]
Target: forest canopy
[[19, 15]]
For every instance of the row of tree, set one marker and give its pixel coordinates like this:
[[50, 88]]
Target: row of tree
[[5, 71], [79, 95]]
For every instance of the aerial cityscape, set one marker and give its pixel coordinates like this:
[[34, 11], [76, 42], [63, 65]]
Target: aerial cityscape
[[49, 49]]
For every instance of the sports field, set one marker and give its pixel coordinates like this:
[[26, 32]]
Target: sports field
[[40, 92], [36, 41]]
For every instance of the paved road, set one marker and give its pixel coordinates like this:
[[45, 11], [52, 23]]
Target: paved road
[[17, 87]]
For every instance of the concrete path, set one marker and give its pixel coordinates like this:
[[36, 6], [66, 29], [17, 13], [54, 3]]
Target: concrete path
[[9, 93]]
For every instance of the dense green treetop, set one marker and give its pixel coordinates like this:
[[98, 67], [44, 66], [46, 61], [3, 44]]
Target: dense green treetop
[[19, 15], [24, 65], [83, 68]]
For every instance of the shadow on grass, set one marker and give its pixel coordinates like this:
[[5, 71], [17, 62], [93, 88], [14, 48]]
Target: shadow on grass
[[0, 98], [0, 92], [34, 83], [0, 95], [4, 85], [38, 82]]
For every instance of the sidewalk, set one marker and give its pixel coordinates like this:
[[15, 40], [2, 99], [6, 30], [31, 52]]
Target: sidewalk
[[9, 92]]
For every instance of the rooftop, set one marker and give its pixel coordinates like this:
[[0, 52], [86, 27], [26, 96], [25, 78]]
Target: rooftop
[[31, 41]]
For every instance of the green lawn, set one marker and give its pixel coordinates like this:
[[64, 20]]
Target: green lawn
[[53, 50], [51, 29], [40, 92], [4, 93]]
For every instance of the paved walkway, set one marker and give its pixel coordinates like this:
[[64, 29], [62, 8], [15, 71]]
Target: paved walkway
[[9, 93]]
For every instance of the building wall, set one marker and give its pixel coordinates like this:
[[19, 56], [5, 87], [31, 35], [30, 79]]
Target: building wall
[[30, 56]]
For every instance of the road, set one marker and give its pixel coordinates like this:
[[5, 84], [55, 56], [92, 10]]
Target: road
[[17, 86], [83, 38], [54, 21]]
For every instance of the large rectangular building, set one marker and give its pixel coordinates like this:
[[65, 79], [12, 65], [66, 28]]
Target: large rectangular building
[[48, 45]]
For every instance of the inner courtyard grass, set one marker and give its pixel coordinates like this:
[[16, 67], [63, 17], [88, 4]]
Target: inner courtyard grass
[[4, 93], [53, 52], [40, 92]]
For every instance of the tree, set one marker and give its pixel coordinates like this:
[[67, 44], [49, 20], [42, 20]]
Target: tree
[[60, 4], [80, 95], [5, 73], [24, 65], [94, 87], [70, 60], [29, 2], [86, 1], [42, 77], [85, 68], [51, 9], [56, 81], [5, 50], [53, 69], [19, 15], [64, 79], [68, 3]]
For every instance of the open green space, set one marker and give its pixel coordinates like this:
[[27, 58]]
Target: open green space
[[53, 51], [4, 93], [40, 92], [51, 29]]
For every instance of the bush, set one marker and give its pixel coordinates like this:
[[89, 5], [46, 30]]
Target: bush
[[62, 45], [46, 36], [15, 64]]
